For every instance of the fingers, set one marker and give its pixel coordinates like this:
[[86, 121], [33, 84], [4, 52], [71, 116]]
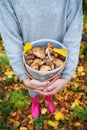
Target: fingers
[[39, 83], [54, 91], [51, 87], [54, 79]]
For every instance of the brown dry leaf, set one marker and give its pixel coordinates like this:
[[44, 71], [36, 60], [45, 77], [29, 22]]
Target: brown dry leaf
[[1, 117], [11, 121], [77, 124], [46, 103], [30, 127], [13, 114], [17, 117], [43, 110], [24, 122], [45, 125], [23, 128]]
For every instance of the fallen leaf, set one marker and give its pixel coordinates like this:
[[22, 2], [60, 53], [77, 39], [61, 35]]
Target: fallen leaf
[[23, 128], [24, 122], [30, 127], [17, 123], [77, 124], [80, 69], [76, 103], [13, 114], [9, 73], [45, 125], [58, 96], [28, 46], [43, 111], [59, 116], [85, 26], [54, 124]]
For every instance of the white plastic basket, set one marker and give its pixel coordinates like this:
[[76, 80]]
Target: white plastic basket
[[44, 75]]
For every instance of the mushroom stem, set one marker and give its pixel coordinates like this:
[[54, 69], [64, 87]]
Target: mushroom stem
[[42, 62], [48, 53], [52, 66]]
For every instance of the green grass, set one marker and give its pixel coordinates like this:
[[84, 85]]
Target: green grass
[[81, 113], [3, 62], [16, 100]]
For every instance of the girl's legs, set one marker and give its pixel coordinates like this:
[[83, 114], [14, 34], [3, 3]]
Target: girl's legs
[[51, 106], [35, 108]]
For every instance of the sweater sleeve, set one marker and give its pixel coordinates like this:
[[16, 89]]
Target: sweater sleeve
[[72, 37], [12, 37]]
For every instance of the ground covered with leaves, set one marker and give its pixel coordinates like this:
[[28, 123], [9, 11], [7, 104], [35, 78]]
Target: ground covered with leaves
[[70, 102]]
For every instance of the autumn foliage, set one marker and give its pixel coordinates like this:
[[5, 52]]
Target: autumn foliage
[[70, 102]]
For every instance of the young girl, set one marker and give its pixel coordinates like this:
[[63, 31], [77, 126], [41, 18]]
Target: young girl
[[24, 21]]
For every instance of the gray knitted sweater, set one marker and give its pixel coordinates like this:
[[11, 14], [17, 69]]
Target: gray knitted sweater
[[29, 20]]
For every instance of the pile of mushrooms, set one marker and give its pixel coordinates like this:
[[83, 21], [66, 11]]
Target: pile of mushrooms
[[43, 58]]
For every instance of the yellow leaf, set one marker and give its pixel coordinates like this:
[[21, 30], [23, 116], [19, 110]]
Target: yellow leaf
[[80, 69], [11, 120], [43, 111], [54, 124], [76, 103], [58, 96], [85, 26], [59, 116], [28, 46], [30, 118], [75, 75], [9, 73], [23, 128], [62, 52], [16, 123], [77, 124]]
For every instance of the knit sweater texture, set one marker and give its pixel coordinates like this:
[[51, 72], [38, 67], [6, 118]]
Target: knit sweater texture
[[24, 21]]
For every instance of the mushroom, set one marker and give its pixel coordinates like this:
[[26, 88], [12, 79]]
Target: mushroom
[[37, 60], [39, 52], [29, 62], [34, 66], [30, 52], [45, 68], [30, 57], [57, 62], [48, 52], [50, 44]]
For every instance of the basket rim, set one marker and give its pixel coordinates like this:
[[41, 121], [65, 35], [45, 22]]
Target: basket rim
[[51, 71]]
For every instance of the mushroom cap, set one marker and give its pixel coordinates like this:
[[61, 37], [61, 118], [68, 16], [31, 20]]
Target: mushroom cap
[[34, 66], [39, 52], [45, 68], [29, 62], [50, 44], [37, 60], [57, 62]]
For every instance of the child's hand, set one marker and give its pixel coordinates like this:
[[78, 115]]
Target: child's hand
[[35, 84], [54, 87]]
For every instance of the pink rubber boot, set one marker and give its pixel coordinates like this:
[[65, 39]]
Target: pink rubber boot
[[51, 105], [35, 108]]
